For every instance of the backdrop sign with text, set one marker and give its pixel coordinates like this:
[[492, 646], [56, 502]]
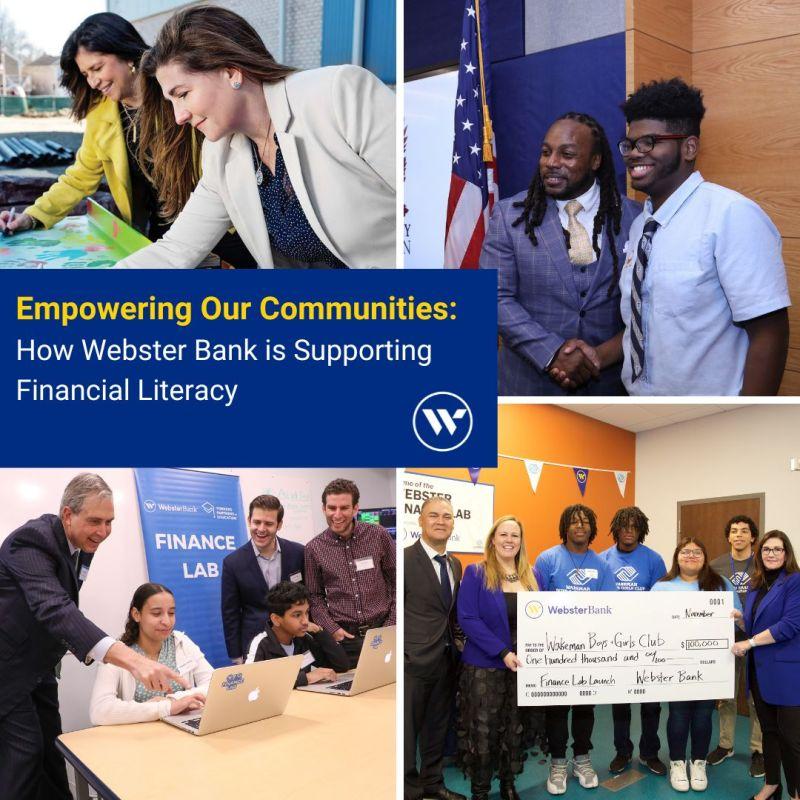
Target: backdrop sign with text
[[190, 522], [473, 509], [193, 366]]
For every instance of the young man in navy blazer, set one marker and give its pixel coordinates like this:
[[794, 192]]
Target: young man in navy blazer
[[252, 570]]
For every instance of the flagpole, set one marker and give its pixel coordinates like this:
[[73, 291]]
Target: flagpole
[[488, 155]]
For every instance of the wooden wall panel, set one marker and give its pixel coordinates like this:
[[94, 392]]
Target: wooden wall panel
[[723, 23], [653, 59], [667, 20], [752, 127], [791, 257]]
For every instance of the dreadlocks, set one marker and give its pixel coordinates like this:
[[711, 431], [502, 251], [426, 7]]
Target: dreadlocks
[[609, 212], [630, 517]]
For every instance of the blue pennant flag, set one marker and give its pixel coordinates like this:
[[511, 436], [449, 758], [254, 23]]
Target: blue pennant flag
[[581, 475]]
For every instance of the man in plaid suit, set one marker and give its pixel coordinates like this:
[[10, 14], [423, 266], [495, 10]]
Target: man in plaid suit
[[557, 249]]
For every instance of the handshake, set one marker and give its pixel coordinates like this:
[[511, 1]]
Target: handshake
[[574, 364]]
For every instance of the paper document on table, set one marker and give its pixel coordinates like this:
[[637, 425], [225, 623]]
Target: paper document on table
[[619, 647]]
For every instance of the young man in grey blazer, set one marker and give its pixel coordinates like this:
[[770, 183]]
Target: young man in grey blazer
[[557, 249], [430, 589]]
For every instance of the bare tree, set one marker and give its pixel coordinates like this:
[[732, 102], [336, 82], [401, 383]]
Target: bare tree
[[13, 40]]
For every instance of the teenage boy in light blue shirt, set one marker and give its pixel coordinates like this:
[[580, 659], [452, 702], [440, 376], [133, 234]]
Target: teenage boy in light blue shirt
[[636, 568]]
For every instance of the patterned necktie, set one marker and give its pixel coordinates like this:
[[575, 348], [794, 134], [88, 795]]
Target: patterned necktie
[[580, 245], [637, 332], [444, 579]]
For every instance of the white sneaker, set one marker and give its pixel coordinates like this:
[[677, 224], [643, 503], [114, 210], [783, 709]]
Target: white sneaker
[[697, 769], [678, 777], [583, 770], [557, 779]]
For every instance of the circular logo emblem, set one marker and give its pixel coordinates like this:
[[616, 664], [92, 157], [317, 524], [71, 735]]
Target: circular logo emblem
[[442, 421], [534, 609]]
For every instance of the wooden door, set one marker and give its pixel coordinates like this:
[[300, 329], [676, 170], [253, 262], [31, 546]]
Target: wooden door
[[706, 520]]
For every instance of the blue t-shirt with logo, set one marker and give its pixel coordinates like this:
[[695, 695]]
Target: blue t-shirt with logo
[[636, 571], [559, 570]]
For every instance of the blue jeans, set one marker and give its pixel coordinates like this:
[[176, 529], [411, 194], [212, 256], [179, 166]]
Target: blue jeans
[[688, 716], [649, 743]]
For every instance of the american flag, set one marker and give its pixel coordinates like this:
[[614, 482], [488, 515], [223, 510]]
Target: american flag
[[473, 187]]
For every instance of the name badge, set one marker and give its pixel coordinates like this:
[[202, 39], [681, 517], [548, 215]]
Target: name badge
[[364, 563], [295, 577], [308, 659], [84, 573]]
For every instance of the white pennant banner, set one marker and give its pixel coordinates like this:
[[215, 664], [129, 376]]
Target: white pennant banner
[[622, 480], [534, 470]]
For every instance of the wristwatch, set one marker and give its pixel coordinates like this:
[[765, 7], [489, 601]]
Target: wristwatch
[[752, 642]]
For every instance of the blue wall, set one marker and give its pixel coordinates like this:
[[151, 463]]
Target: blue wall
[[379, 35], [529, 93]]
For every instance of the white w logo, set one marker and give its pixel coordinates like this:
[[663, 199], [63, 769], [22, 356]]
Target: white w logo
[[444, 414]]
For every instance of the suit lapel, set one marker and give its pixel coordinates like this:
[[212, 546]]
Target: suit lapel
[[551, 235], [66, 556], [255, 569], [770, 596], [281, 114], [430, 573]]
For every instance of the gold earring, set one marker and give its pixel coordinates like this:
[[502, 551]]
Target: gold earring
[[133, 69]]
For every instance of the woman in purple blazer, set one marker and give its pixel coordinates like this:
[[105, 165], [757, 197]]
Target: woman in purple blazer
[[491, 727], [772, 621]]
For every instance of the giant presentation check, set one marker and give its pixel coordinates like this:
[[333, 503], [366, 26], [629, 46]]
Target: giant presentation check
[[623, 647]]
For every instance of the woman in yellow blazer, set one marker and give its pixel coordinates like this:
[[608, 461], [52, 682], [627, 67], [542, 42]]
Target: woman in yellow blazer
[[99, 69], [302, 163], [98, 64]]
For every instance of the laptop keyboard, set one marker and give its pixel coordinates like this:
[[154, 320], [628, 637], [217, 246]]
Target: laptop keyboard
[[344, 686], [193, 723]]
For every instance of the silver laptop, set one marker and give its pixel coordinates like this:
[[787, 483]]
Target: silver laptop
[[375, 666], [242, 694]]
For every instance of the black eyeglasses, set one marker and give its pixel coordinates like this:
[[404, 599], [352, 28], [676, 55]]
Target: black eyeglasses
[[772, 551], [644, 144]]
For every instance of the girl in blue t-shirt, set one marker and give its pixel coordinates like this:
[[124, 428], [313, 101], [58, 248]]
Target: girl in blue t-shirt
[[691, 572]]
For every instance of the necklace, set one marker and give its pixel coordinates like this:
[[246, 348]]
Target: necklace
[[511, 577], [260, 158], [578, 569], [131, 121]]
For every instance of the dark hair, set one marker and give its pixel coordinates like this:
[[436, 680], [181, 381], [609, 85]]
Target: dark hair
[[200, 39], [789, 564], [341, 486], [739, 518], [708, 580], [673, 102], [609, 213], [105, 33], [284, 595], [566, 517], [140, 597], [269, 503], [630, 517]]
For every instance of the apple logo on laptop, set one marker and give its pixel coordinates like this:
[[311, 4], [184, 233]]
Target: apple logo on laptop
[[387, 658], [253, 696]]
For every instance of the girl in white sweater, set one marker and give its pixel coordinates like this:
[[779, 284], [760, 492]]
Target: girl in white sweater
[[117, 698]]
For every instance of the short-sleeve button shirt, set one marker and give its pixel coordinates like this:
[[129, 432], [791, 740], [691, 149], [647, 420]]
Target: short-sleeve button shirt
[[715, 261]]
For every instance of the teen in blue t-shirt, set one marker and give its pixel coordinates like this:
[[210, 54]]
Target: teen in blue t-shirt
[[572, 567], [635, 568]]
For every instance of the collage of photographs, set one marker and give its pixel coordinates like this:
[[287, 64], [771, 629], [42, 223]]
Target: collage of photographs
[[623, 169]]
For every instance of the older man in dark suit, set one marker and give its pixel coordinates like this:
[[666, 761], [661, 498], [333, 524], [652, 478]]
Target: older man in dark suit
[[252, 570], [557, 249], [431, 585], [42, 566]]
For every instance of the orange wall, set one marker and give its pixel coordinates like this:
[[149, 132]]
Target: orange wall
[[549, 433]]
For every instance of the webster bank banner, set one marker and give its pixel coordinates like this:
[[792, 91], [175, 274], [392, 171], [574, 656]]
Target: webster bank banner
[[190, 521], [367, 368]]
